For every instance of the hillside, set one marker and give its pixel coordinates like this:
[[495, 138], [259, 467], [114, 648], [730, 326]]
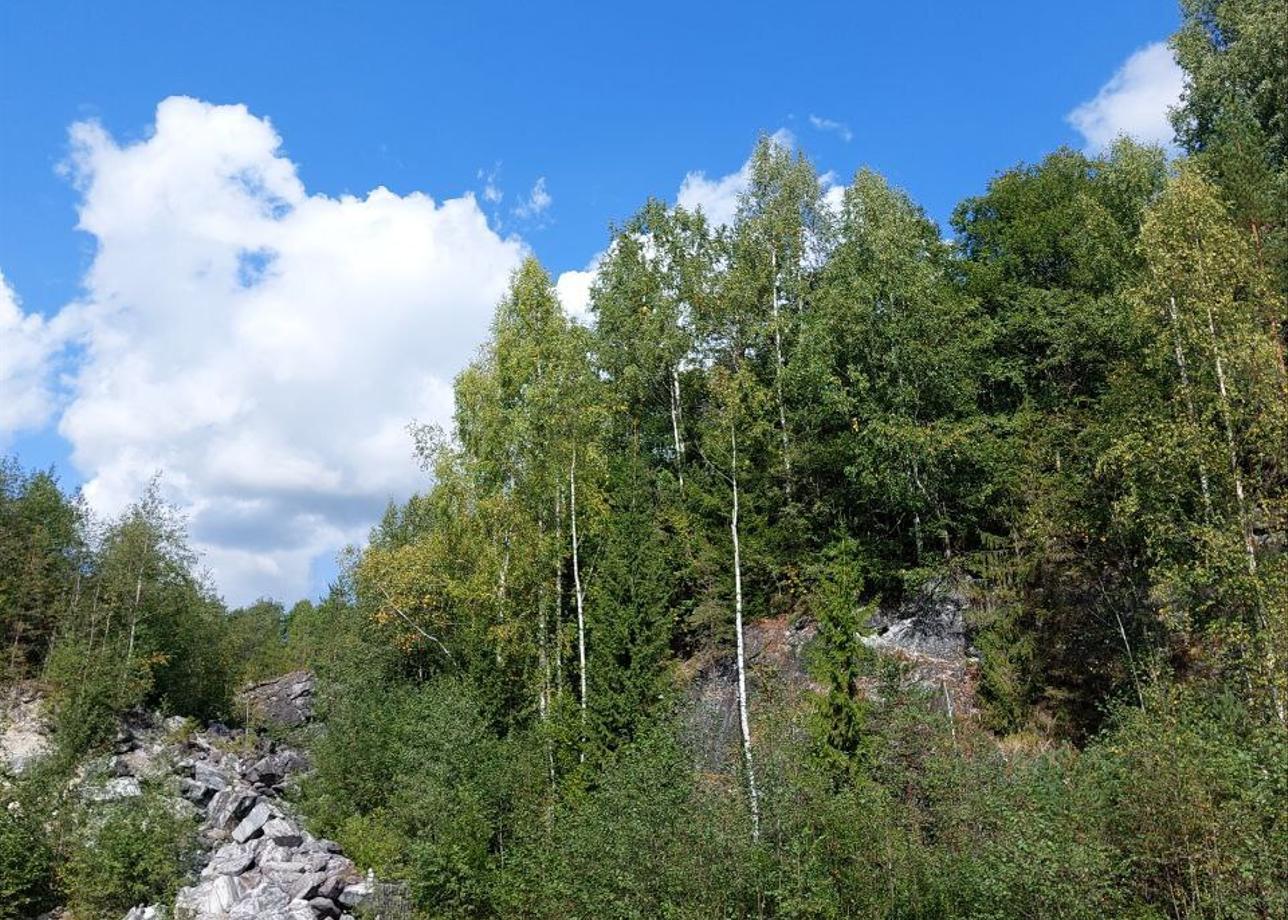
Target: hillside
[[837, 564]]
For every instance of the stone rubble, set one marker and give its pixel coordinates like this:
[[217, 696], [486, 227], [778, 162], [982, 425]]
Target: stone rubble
[[261, 863]]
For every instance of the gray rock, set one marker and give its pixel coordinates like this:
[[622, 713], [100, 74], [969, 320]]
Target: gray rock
[[194, 791], [261, 902], [324, 907], [207, 775], [930, 622], [357, 894], [254, 821], [115, 790], [307, 885], [229, 807], [150, 912], [213, 896], [331, 888], [124, 742], [231, 859], [287, 700], [283, 833]]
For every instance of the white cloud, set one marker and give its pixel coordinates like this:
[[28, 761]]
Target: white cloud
[[839, 128], [1134, 102], [718, 198], [262, 345], [492, 193], [27, 343], [573, 289], [538, 200]]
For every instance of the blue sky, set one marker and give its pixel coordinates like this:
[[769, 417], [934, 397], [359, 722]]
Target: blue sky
[[573, 114]]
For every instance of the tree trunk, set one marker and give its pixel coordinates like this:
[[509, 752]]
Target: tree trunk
[[744, 724], [577, 589], [675, 424], [543, 656], [1189, 402], [778, 373], [134, 620], [558, 624], [1245, 522]]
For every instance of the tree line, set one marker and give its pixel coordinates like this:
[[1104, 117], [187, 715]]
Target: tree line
[[1074, 405]]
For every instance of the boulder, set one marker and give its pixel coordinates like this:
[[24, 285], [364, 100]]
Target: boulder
[[231, 859], [307, 885], [207, 775], [358, 893], [283, 833], [194, 791], [150, 912], [229, 807], [286, 700], [263, 901], [25, 732], [324, 907]]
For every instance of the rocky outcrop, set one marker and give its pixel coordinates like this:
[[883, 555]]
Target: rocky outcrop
[[775, 660], [927, 630], [285, 700], [929, 621], [25, 732]]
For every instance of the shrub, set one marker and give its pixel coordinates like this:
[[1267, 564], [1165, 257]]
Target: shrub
[[26, 863], [126, 853]]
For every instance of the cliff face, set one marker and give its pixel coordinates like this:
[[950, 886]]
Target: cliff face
[[926, 633], [24, 730]]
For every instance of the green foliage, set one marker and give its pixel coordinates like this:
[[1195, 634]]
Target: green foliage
[[840, 661], [26, 861], [1076, 412], [137, 851]]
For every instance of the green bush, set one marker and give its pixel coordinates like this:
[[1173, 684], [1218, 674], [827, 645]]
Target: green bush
[[137, 851], [26, 862]]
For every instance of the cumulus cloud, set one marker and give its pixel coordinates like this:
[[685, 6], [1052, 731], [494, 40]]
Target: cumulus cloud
[[262, 345], [839, 128], [573, 289], [27, 344], [718, 198], [1134, 102]]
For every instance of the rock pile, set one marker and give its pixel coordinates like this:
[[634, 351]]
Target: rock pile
[[263, 863], [260, 862]]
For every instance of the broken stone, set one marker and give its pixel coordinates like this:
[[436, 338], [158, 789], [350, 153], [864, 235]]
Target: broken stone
[[254, 821]]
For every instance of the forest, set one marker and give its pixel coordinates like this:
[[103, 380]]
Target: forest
[[1071, 405]]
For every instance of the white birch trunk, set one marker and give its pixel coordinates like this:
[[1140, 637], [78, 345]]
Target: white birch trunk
[[543, 656], [744, 723], [675, 424], [1189, 400], [134, 620], [577, 588], [778, 372], [1245, 523], [559, 594]]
